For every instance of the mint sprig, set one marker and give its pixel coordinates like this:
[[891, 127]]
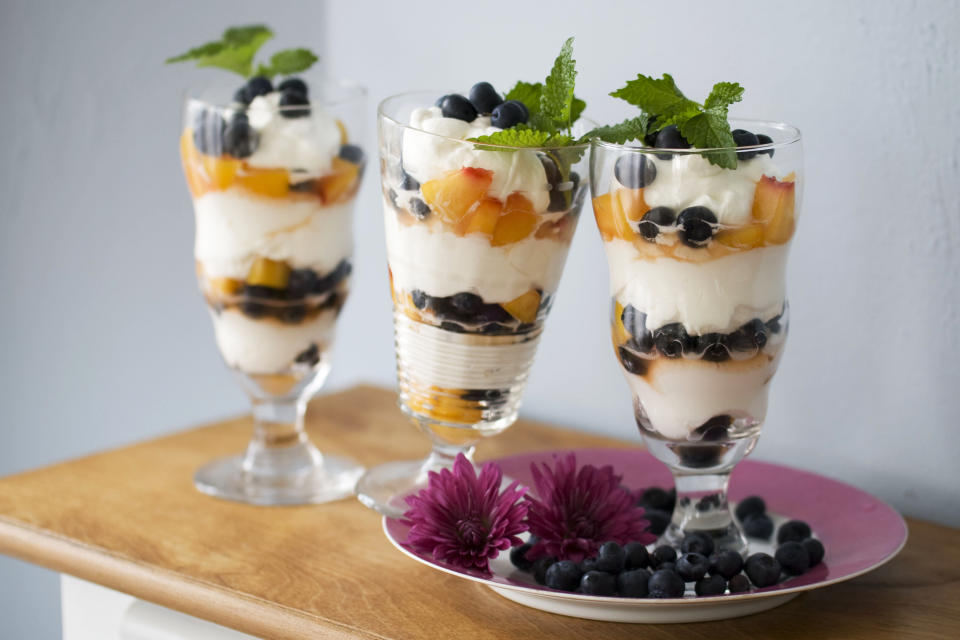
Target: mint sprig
[[235, 51], [631, 129], [704, 126]]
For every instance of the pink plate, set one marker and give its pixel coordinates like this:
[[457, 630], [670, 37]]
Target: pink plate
[[859, 532]]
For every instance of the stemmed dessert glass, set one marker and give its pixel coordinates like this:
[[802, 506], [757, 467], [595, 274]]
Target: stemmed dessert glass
[[273, 188], [477, 237], [697, 256]]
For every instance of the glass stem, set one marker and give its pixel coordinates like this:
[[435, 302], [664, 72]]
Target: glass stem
[[280, 446], [443, 455], [702, 507]]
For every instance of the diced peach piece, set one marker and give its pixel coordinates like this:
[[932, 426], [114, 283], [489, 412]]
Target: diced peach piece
[[269, 273], [343, 131], [339, 184], [611, 214], [483, 219], [524, 308], [219, 172], [225, 286], [620, 333], [560, 230], [270, 183], [773, 205], [454, 195], [517, 222], [747, 237], [632, 202]]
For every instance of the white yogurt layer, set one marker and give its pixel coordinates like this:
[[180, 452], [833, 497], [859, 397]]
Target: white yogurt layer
[[268, 346], [678, 396], [442, 263], [304, 145], [690, 180], [427, 156], [717, 295], [234, 228]]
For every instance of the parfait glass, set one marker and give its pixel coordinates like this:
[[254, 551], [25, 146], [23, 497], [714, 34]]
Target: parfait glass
[[477, 237], [697, 256], [273, 187]]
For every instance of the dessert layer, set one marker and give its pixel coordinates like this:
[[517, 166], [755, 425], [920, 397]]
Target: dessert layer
[[442, 263], [427, 157], [268, 346], [304, 145], [234, 228], [715, 296]]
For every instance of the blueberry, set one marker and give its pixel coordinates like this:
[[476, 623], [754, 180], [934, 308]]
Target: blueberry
[[793, 558], [452, 327], [301, 283], [482, 395], [670, 138], [763, 138], [563, 575], [659, 498], [309, 356], [670, 339], [637, 556], [744, 138], [749, 506], [713, 347], [659, 520], [294, 84], [814, 549], [419, 208], [241, 96], [258, 291], [701, 456], [508, 114], [492, 313], [726, 563], [456, 106], [697, 542], [629, 317], [484, 97], [651, 138], [762, 569], [598, 583], [710, 586], [635, 170], [208, 131], [420, 299], [632, 363], [292, 313], [696, 226], [258, 86], [611, 557], [351, 153], [518, 557], [523, 107], [692, 566], [408, 182], [739, 584], [466, 303], [588, 564], [749, 337], [653, 220], [795, 530], [540, 566], [253, 309], [758, 525], [634, 583], [294, 105], [665, 584], [714, 430], [495, 329], [662, 554], [239, 138]]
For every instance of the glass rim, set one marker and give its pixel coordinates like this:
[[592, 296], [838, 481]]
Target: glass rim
[[493, 147], [791, 132], [354, 90]]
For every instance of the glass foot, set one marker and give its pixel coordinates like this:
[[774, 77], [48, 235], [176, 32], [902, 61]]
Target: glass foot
[[384, 487], [333, 479]]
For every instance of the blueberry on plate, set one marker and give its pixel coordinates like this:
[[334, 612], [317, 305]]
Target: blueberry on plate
[[456, 106], [654, 219], [294, 84], [692, 566], [518, 557], [793, 558], [294, 105], [563, 575], [635, 170], [749, 506], [239, 138], [598, 583], [611, 557], [634, 583], [739, 584], [794, 530], [668, 566], [665, 584], [763, 138], [814, 549], [696, 226], [744, 138], [697, 542], [484, 97], [508, 114], [726, 563], [762, 569], [713, 585], [419, 208], [670, 138], [637, 556], [661, 554], [258, 86], [758, 525], [540, 566], [588, 564], [351, 153]]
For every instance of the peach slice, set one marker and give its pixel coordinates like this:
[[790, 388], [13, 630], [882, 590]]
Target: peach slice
[[773, 206], [482, 219], [225, 286], [269, 273], [632, 203], [748, 237], [270, 183], [219, 172], [614, 211], [524, 308], [517, 222], [455, 194], [620, 333], [339, 184]]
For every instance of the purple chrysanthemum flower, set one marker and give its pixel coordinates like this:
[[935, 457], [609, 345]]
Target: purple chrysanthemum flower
[[465, 520], [577, 511]]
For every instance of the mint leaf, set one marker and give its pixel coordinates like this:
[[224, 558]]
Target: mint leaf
[[513, 137], [556, 101], [660, 97], [708, 130], [234, 52], [632, 129], [576, 108], [291, 61], [723, 95], [203, 51], [528, 93]]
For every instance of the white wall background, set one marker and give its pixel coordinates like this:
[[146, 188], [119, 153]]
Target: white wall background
[[105, 340]]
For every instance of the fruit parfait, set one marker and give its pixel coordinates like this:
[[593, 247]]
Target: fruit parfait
[[697, 220], [273, 174], [482, 194]]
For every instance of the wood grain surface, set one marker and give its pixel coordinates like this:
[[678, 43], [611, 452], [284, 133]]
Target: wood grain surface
[[131, 520]]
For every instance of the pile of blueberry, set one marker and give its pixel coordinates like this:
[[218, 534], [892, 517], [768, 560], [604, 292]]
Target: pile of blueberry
[[670, 138], [673, 341], [290, 305], [484, 100], [466, 312]]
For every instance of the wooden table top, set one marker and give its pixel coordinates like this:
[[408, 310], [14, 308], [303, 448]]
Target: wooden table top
[[130, 519]]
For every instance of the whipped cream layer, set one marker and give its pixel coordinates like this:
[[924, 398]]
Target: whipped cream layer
[[678, 396], [304, 145], [427, 157], [442, 263], [690, 180], [269, 346], [233, 228], [717, 295]]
